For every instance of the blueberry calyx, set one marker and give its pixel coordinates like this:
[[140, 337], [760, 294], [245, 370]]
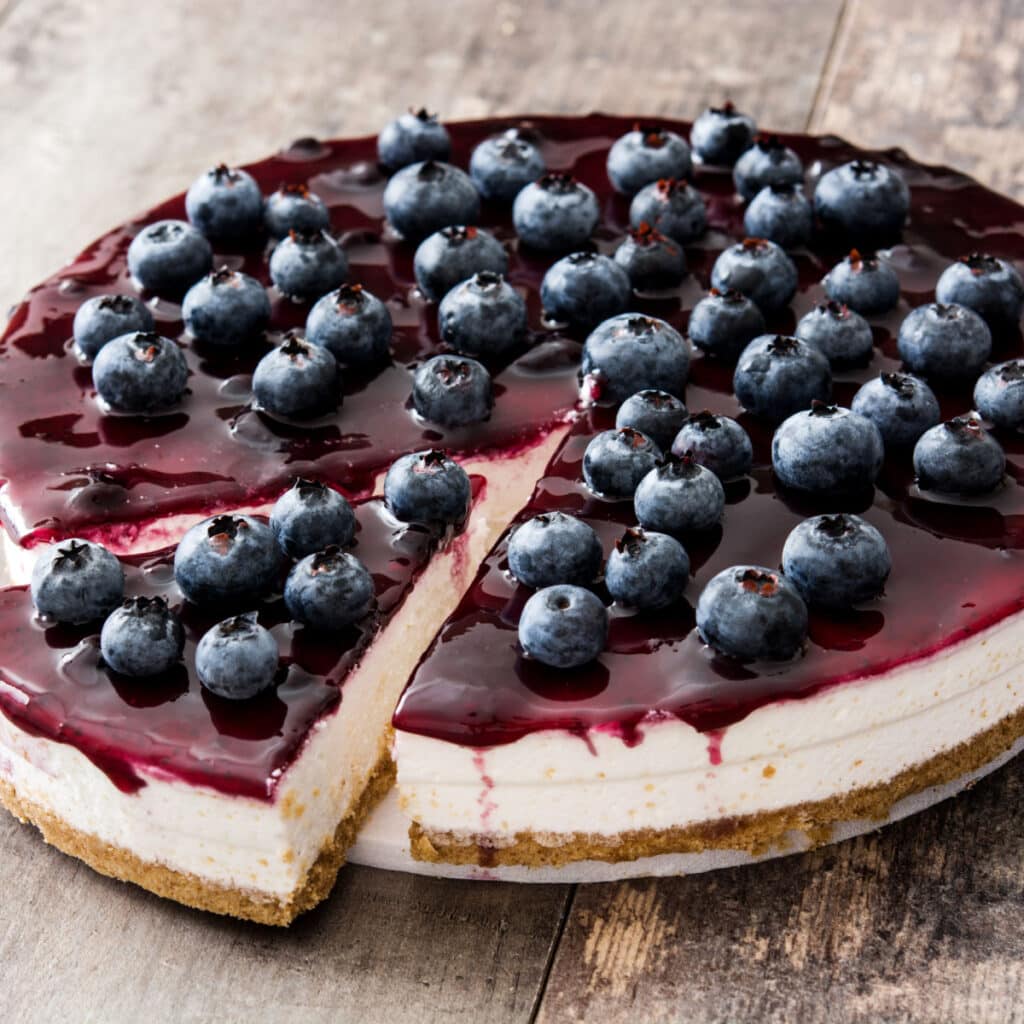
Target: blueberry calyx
[[864, 168], [758, 581], [980, 263], [559, 184]]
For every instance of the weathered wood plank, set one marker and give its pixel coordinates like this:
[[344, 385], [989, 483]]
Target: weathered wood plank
[[942, 79], [110, 106], [920, 922], [386, 947]]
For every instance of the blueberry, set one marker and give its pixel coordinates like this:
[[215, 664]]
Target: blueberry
[[827, 450], [777, 376], [142, 638], [310, 517], [453, 254], [105, 317], [554, 547], [141, 372], [767, 162], [225, 203], [237, 658], [901, 406], [297, 380], [563, 626], [617, 460], [483, 316], [750, 612], [631, 353], [836, 561], [679, 496], [452, 391], [556, 213], [169, 256], [353, 325], [425, 197], [759, 269], [841, 335], [651, 259], [672, 207], [782, 214], [226, 559], [427, 487], [717, 443], [307, 266], [866, 284], [647, 570], [226, 307], [721, 135], [295, 208], [503, 165], [329, 590], [412, 137], [862, 200], [944, 342], [655, 413], [991, 287], [724, 323], [76, 581], [585, 288], [999, 394], [959, 457], [645, 155]]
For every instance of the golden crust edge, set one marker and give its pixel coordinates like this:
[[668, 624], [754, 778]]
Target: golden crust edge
[[189, 889], [753, 834]]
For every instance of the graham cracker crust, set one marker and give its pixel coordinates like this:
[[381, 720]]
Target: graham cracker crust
[[754, 833], [189, 889]]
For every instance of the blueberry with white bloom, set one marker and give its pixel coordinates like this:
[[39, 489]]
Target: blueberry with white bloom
[[563, 626], [106, 317], [617, 460], [768, 162], [295, 208], [226, 307], [999, 394], [902, 406], [827, 450], [990, 286], [297, 380], [453, 254], [647, 570], [777, 376], [862, 200], [425, 197], [584, 288], [556, 213], [944, 341], [76, 581], [554, 547], [142, 638], [503, 165], [452, 390], [352, 324], [238, 658], [427, 487], [866, 284], [673, 207], [651, 259], [655, 413], [225, 203], [305, 267], [311, 516], [329, 590], [721, 135], [782, 214], [840, 334], [413, 136], [169, 256], [645, 155], [140, 373], [959, 457], [759, 269], [836, 561], [724, 323], [717, 443], [631, 353], [483, 316], [679, 496], [751, 612]]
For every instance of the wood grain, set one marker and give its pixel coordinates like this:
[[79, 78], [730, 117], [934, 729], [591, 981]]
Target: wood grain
[[117, 104], [942, 79], [919, 922]]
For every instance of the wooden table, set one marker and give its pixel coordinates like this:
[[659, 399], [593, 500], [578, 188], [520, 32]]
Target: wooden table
[[106, 107]]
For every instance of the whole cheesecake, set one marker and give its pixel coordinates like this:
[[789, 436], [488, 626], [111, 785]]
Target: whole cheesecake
[[667, 738]]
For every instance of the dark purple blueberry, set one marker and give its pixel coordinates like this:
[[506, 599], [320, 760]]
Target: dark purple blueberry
[[777, 376], [959, 457], [782, 214], [554, 547], [717, 443], [862, 200], [679, 496], [645, 155], [650, 259], [310, 517], [503, 165], [991, 287], [142, 638], [767, 162], [226, 307], [329, 590], [352, 324], [305, 267], [842, 336], [76, 581], [944, 342], [452, 391], [140, 373], [617, 460], [655, 413], [105, 317], [721, 135], [295, 208], [483, 316], [556, 213], [563, 626], [297, 380], [647, 570], [427, 487], [724, 323], [454, 254], [169, 256], [237, 658], [425, 197], [759, 269], [999, 394], [903, 407], [671, 206], [225, 204], [866, 284], [412, 137], [585, 288]]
